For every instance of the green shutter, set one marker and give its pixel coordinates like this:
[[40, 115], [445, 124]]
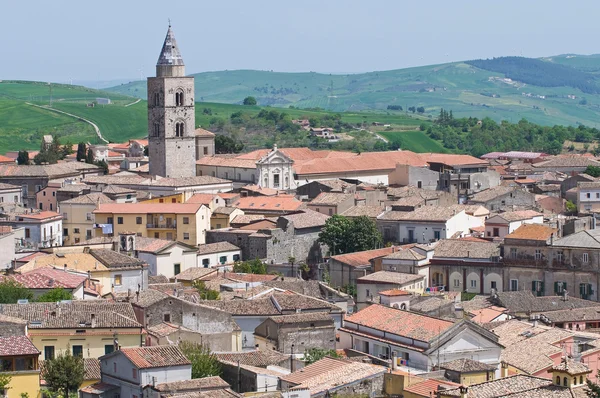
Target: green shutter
[[564, 286], [582, 289], [542, 290], [556, 287], [533, 289]]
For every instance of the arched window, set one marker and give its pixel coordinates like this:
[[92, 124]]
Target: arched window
[[580, 379], [156, 99], [565, 382], [179, 98], [179, 129], [156, 131], [558, 380], [574, 380]]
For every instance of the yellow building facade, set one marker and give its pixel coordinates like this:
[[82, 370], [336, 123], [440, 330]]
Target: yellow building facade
[[183, 222], [78, 217], [19, 361]]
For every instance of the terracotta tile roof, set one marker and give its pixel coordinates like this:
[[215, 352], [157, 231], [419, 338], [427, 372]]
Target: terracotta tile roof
[[49, 171], [100, 388], [567, 161], [465, 365], [426, 213], [394, 293], [246, 218], [42, 215], [155, 356], [115, 189], [202, 198], [307, 219], [224, 210], [91, 367], [157, 279], [260, 190], [48, 278], [212, 382], [144, 299], [452, 160], [328, 374], [217, 247], [458, 248], [302, 317], [507, 386], [532, 232], [16, 345], [398, 278], [572, 367], [191, 274], [6, 159], [519, 215], [361, 259], [406, 254], [111, 259], [152, 245], [75, 315], [331, 198], [589, 314], [492, 193], [486, 315], [201, 132], [226, 161], [269, 203], [588, 185], [90, 198], [429, 387], [369, 211], [163, 329], [145, 208], [402, 323], [260, 359]]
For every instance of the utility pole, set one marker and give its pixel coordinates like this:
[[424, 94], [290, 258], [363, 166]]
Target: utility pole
[[292, 360]]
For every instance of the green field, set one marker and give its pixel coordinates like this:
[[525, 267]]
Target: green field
[[466, 90], [414, 141]]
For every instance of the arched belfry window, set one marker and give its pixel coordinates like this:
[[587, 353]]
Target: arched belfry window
[[156, 99], [179, 98], [156, 131], [179, 129]]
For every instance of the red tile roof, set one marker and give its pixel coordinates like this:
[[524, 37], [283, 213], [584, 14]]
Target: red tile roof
[[532, 232], [359, 259], [155, 356], [202, 198], [269, 203], [402, 323], [429, 387], [394, 292], [6, 159], [16, 345], [42, 215], [144, 208], [48, 278]]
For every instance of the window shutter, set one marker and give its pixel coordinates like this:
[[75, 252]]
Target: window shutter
[[564, 286], [533, 286], [542, 291], [556, 287], [582, 289]]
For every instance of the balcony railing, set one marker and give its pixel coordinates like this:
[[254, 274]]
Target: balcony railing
[[164, 225]]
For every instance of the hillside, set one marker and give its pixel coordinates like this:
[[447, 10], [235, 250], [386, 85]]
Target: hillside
[[465, 88], [26, 115]]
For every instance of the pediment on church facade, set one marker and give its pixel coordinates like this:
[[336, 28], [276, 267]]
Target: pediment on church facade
[[275, 157]]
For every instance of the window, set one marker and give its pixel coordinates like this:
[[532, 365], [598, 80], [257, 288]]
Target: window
[[41, 206], [538, 254], [109, 220], [108, 348], [514, 285], [44, 193], [205, 263], [24, 364], [156, 235], [597, 195], [88, 216], [456, 282], [206, 150], [156, 99], [51, 207], [134, 373], [437, 234], [156, 130], [65, 231], [75, 230], [588, 195], [78, 351], [276, 180], [186, 236], [179, 98], [49, 352], [167, 317], [513, 252], [585, 258], [173, 200], [115, 367], [118, 280], [179, 129], [493, 285], [16, 199], [27, 233], [119, 220], [223, 259], [226, 175], [419, 184], [537, 287], [6, 365], [473, 283], [161, 200], [559, 256], [560, 287], [330, 212], [496, 232], [236, 257], [138, 220], [176, 269], [88, 234]]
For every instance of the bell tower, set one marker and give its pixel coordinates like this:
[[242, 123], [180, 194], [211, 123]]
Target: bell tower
[[171, 117]]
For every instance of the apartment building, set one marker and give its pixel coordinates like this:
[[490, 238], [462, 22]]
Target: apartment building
[[78, 217]]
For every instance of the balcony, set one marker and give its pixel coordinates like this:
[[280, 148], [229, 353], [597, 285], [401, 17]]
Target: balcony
[[164, 225]]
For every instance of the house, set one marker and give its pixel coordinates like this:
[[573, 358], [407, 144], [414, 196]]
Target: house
[[223, 216], [572, 181], [314, 188], [426, 224], [371, 212], [10, 244], [463, 265], [335, 376], [345, 269], [108, 270], [120, 194], [431, 198], [296, 333], [86, 328], [19, 359], [217, 254], [418, 341], [369, 286], [293, 235], [204, 386], [461, 174], [420, 177], [567, 164], [165, 257], [588, 197], [268, 205], [249, 314], [503, 224], [183, 222], [331, 203], [525, 304], [466, 371], [42, 280], [504, 198], [191, 275], [46, 197], [42, 229], [127, 371], [10, 193], [78, 216]]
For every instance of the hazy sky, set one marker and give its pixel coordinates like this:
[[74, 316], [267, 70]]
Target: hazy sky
[[107, 39]]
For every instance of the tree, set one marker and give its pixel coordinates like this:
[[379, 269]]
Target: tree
[[571, 207], [54, 295], [205, 293], [344, 235], [593, 171], [23, 157], [11, 292], [250, 267], [593, 389], [225, 144], [89, 158], [63, 373], [204, 363], [421, 109], [249, 101], [80, 151], [314, 354], [103, 165], [4, 382]]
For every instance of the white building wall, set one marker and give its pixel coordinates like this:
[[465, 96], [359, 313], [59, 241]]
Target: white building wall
[[11, 195], [130, 279], [213, 259]]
